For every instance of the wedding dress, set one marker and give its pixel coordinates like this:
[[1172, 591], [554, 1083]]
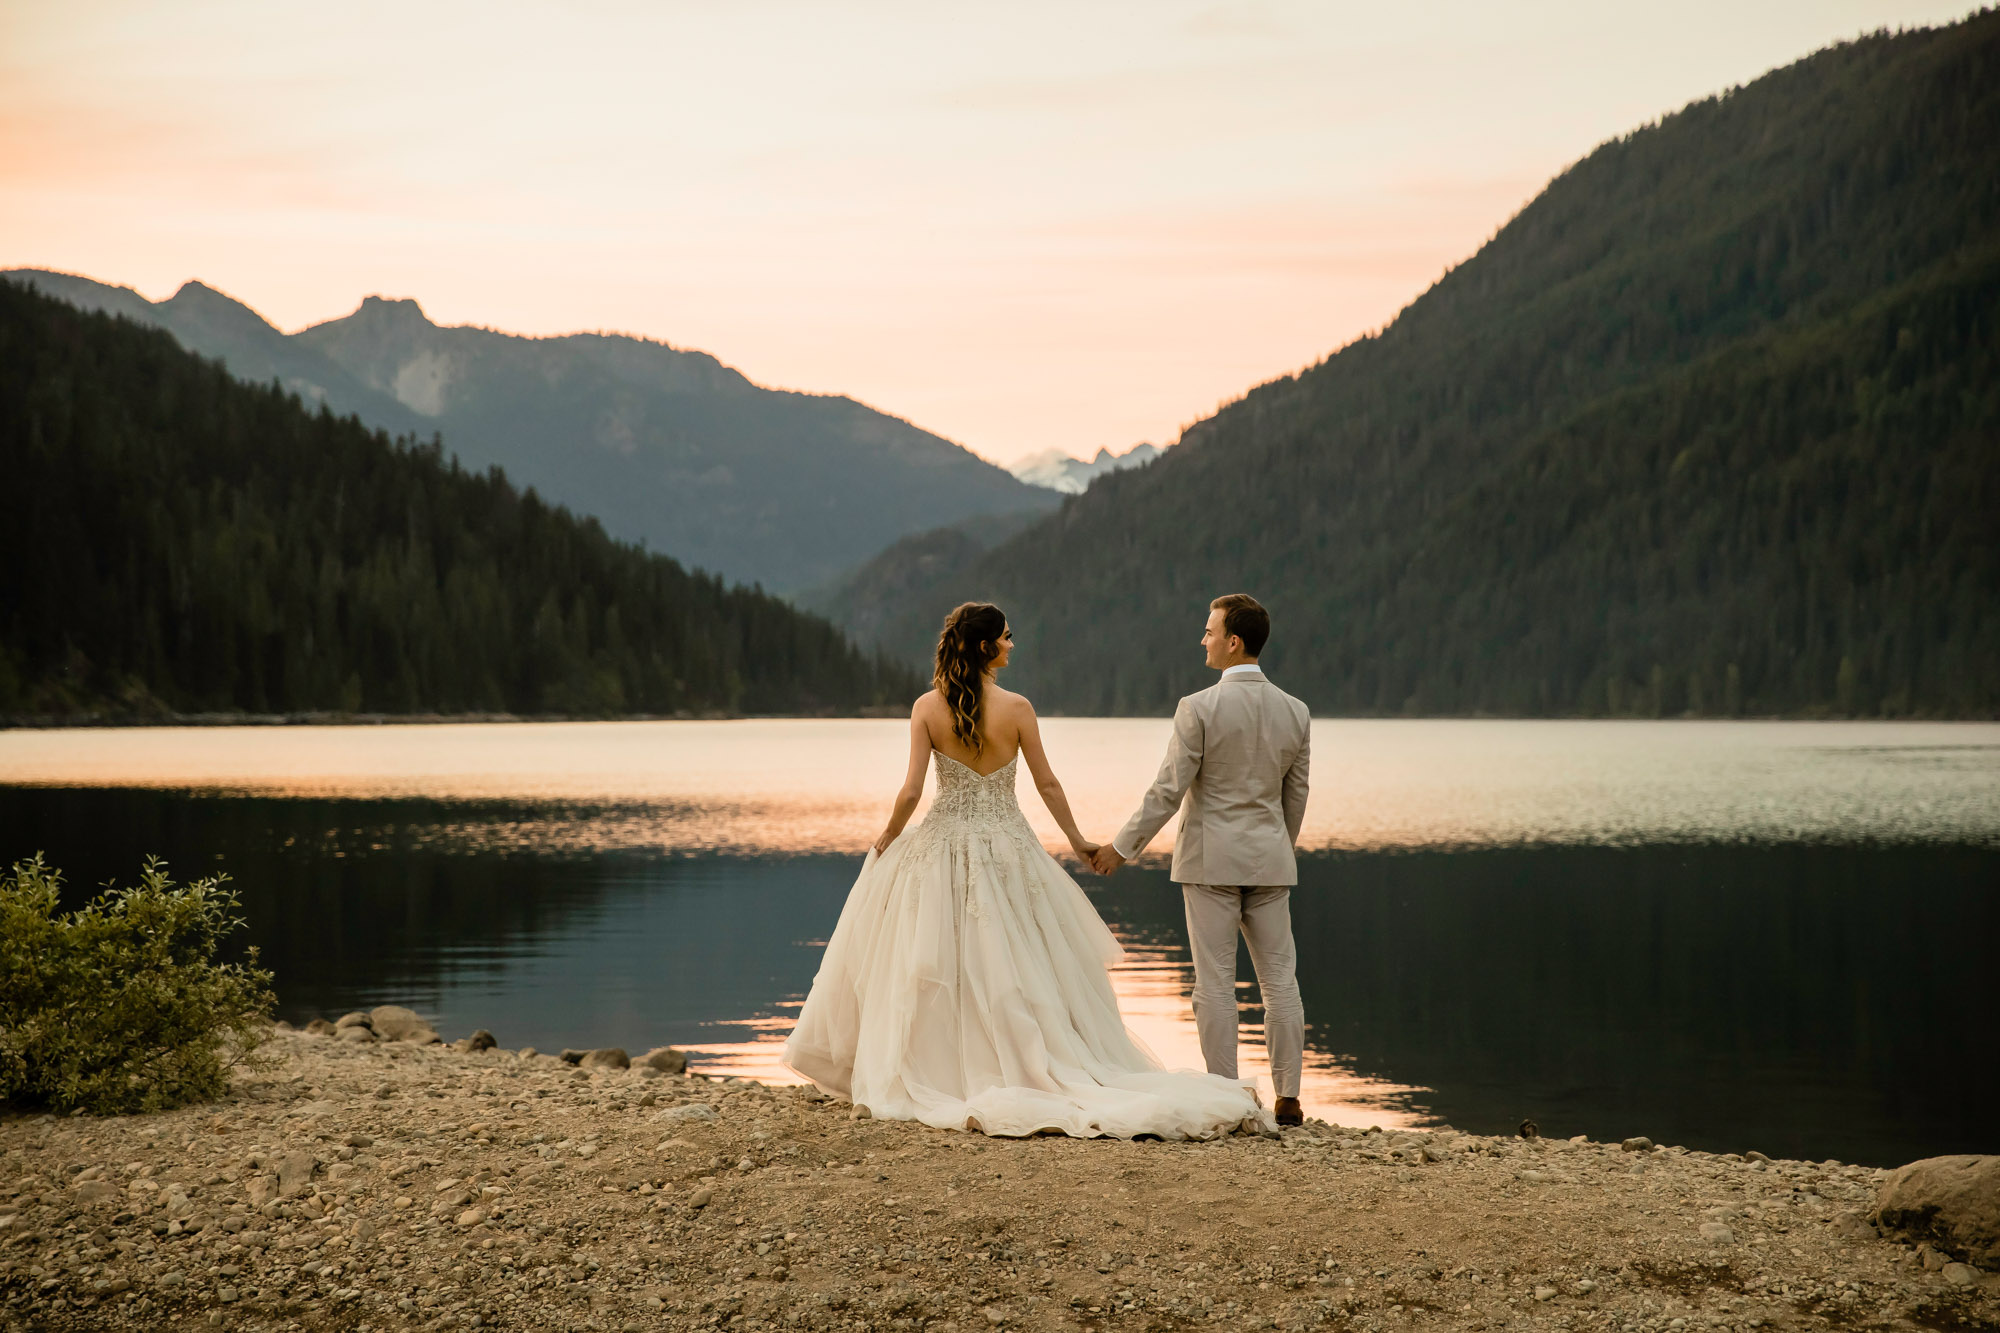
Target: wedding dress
[[965, 986]]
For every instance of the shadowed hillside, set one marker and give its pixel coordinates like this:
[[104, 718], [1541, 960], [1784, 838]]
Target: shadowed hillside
[[1711, 426], [180, 541], [874, 600]]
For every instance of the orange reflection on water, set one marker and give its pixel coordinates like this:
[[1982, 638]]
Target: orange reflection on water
[[757, 1058], [806, 784], [1152, 988]]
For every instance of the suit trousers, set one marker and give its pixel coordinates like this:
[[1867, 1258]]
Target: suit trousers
[[1263, 913]]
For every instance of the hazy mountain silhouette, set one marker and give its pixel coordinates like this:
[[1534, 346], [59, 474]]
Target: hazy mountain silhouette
[[1711, 426], [665, 446]]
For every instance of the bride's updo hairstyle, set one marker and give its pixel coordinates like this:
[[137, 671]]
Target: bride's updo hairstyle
[[971, 639]]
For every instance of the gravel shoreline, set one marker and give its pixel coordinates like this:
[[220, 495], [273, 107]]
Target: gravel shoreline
[[389, 1185]]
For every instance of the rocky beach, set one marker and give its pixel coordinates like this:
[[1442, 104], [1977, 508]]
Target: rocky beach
[[370, 1177]]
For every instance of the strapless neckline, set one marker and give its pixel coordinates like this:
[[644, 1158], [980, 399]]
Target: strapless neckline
[[975, 772]]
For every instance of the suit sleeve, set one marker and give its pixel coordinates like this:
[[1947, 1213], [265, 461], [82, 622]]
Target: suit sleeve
[[1177, 773], [1295, 787]]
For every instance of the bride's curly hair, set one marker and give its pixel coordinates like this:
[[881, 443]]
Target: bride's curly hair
[[970, 640]]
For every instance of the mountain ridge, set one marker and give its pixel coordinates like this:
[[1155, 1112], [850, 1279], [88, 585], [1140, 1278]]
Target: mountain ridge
[[664, 445], [256, 350]]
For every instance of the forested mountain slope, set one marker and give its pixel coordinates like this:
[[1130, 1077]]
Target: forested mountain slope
[[181, 541], [661, 444], [1711, 426], [873, 601]]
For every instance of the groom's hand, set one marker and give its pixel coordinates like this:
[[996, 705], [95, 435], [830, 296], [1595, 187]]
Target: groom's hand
[[1106, 860]]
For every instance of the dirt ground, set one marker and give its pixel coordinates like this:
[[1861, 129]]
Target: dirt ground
[[391, 1186]]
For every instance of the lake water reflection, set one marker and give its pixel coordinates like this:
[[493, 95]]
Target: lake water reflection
[[1725, 934]]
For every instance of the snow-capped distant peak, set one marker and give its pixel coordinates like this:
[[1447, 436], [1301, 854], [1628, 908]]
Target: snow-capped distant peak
[[1059, 472]]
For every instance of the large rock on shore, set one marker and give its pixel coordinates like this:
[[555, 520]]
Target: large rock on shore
[[396, 1023], [294, 1171], [665, 1059], [1952, 1202]]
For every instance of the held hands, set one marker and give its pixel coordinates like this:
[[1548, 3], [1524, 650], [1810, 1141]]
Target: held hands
[[1100, 857]]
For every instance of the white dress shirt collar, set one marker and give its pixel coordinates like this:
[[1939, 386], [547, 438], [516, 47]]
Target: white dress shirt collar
[[1242, 669]]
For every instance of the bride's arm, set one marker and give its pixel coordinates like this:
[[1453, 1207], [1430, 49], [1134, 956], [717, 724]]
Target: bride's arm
[[1046, 784], [913, 781]]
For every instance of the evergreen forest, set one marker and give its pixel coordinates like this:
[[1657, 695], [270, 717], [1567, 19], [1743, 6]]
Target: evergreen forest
[[1711, 427], [180, 542]]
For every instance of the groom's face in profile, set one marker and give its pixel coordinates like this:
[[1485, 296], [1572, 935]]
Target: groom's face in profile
[[1224, 649]]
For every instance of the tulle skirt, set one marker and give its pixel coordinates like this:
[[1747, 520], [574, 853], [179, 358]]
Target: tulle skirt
[[966, 986]]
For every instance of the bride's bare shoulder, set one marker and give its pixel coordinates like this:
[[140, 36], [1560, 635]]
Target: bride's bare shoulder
[[1006, 701], [927, 704]]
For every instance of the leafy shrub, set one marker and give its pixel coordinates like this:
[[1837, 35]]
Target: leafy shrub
[[121, 1005]]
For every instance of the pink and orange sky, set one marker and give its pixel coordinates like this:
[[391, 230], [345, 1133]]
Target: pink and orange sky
[[1023, 226]]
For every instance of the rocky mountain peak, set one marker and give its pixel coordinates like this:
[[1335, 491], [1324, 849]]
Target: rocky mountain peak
[[392, 309], [198, 301], [1057, 471]]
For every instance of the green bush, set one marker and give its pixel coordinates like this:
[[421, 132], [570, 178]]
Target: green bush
[[121, 1005]]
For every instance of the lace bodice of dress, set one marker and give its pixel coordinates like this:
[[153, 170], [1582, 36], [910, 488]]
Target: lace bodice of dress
[[967, 798]]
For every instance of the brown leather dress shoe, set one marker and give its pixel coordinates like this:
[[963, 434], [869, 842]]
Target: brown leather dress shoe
[[1288, 1111]]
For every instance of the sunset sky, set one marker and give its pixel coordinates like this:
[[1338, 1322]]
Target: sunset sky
[[1023, 226]]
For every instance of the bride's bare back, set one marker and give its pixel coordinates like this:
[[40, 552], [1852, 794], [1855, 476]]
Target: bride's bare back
[[1001, 713], [1008, 726]]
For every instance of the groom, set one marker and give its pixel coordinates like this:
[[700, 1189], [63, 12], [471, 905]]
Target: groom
[[1238, 756]]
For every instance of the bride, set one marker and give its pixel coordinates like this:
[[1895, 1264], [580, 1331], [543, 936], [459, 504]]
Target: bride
[[966, 985]]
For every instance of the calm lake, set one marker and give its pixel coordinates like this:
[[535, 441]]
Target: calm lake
[[1777, 936]]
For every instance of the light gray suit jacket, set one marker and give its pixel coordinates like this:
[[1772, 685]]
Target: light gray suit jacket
[[1239, 756]]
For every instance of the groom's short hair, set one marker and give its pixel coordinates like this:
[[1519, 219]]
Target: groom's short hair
[[1245, 617]]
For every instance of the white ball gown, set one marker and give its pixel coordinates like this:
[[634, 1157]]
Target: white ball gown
[[966, 986]]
